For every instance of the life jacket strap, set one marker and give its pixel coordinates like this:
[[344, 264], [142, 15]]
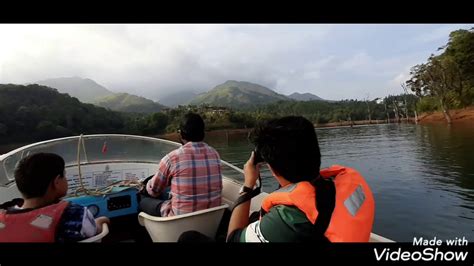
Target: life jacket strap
[[325, 204]]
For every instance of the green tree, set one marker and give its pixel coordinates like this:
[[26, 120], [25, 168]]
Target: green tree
[[448, 77], [157, 122], [439, 78]]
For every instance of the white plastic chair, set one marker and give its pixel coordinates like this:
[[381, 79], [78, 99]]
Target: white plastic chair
[[168, 229], [98, 238]]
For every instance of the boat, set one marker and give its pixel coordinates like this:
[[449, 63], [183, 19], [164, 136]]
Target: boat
[[104, 173]]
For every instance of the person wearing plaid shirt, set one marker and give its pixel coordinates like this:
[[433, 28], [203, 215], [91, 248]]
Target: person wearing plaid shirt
[[192, 173]]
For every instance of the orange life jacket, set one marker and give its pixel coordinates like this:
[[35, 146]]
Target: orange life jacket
[[38, 225], [353, 214]]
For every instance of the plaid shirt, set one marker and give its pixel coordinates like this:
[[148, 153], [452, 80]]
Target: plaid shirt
[[194, 171]]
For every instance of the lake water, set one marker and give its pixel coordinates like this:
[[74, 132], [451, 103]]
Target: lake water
[[422, 176]]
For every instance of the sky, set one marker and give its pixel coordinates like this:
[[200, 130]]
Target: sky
[[333, 61]]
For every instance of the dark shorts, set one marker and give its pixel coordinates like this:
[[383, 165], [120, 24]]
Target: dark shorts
[[151, 206]]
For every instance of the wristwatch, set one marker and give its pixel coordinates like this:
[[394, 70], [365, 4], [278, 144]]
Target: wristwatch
[[245, 189]]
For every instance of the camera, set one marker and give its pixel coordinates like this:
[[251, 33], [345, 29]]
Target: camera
[[257, 157]]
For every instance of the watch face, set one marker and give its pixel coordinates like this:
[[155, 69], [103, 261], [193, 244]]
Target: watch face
[[94, 209]]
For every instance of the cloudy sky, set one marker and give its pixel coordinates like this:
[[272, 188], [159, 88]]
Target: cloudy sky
[[331, 61]]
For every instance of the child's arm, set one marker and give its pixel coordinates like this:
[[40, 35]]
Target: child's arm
[[99, 221]]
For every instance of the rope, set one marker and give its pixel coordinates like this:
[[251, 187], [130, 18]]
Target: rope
[[104, 190]]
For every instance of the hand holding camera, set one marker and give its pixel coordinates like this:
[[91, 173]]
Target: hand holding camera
[[252, 169], [257, 157], [251, 174]]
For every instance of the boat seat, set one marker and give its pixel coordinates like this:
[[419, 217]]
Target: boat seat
[[168, 229], [97, 238]]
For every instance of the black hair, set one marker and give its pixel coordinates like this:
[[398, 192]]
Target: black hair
[[192, 127], [290, 146], [35, 173]]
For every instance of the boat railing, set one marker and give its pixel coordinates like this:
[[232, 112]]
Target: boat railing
[[94, 149]]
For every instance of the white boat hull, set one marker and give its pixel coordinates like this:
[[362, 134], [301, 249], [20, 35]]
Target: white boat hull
[[95, 172]]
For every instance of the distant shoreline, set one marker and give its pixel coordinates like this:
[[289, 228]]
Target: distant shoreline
[[245, 131], [457, 115], [465, 115]]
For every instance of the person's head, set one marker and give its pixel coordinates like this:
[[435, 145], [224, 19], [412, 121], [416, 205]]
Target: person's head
[[290, 146], [191, 127], [41, 175]]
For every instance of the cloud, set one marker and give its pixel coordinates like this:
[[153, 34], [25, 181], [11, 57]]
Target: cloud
[[357, 61], [438, 33], [394, 85], [149, 60], [332, 61], [401, 78]]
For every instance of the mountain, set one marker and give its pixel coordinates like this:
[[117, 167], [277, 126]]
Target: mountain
[[124, 102], [304, 97], [35, 112], [89, 91], [86, 90], [178, 98], [238, 94]]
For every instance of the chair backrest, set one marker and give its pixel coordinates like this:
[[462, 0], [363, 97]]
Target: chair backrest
[[98, 238], [168, 229]]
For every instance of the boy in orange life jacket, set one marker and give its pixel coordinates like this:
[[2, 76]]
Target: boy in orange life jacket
[[306, 208], [42, 216]]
